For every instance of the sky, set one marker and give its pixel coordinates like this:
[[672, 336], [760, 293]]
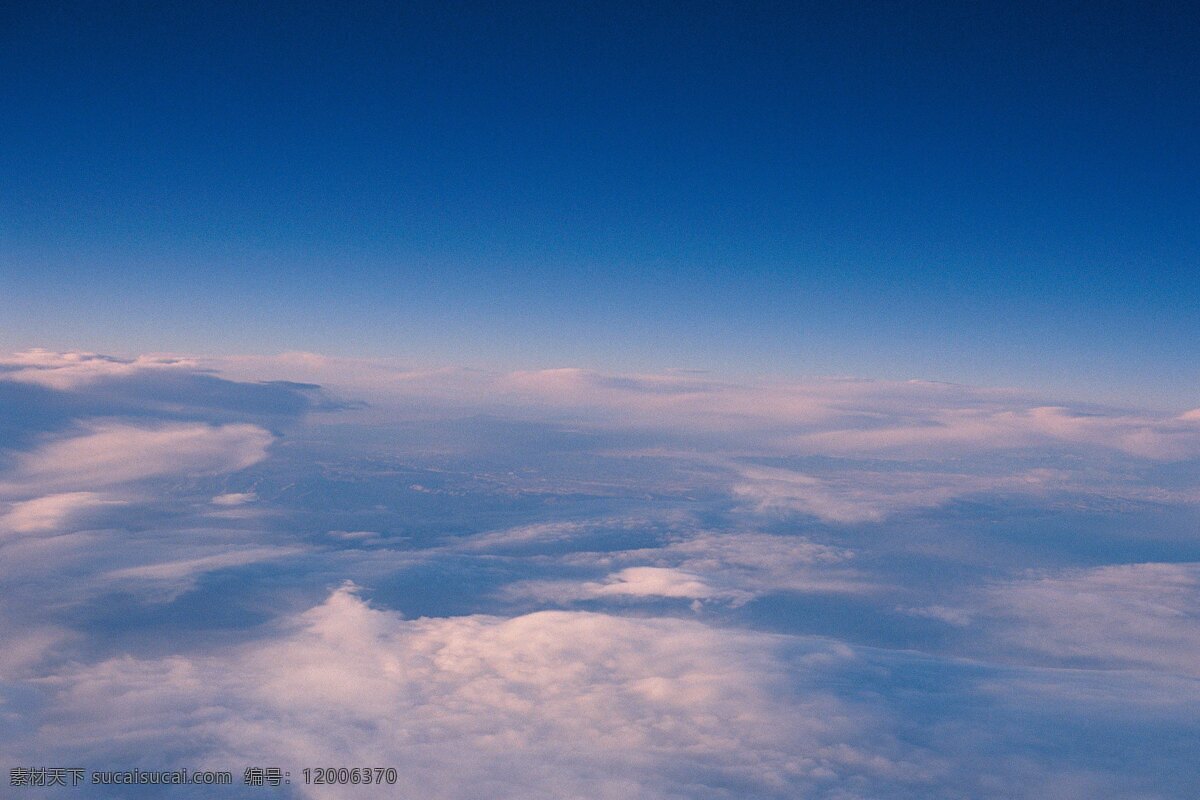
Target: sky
[[671, 401], [999, 194]]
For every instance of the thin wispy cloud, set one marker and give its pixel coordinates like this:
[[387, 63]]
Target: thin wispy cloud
[[108, 454]]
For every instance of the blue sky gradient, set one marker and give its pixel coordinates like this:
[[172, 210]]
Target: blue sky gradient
[[678, 401], [999, 194]]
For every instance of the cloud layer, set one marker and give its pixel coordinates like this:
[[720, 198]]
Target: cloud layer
[[594, 585]]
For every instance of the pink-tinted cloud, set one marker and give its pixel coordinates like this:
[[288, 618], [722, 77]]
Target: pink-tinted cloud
[[73, 370], [550, 704], [105, 454]]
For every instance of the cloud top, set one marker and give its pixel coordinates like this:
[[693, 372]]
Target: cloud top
[[551, 704]]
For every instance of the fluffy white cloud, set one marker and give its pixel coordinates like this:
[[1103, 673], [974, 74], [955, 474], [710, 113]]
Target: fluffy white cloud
[[547, 705], [652, 581]]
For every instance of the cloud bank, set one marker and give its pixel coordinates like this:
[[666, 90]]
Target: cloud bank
[[595, 585]]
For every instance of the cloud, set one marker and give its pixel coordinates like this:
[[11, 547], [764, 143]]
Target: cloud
[[731, 567], [652, 581], [829, 416], [1125, 616], [758, 563], [75, 505], [73, 370], [146, 564], [631, 582], [773, 490], [959, 617], [627, 494], [108, 454], [234, 499], [167, 579], [42, 391], [546, 705], [534, 533], [541, 535], [852, 495], [991, 428], [51, 511]]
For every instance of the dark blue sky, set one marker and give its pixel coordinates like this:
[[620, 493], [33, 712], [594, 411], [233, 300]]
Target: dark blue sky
[[995, 193]]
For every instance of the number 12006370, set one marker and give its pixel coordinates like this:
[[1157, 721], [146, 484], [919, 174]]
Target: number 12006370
[[351, 775]]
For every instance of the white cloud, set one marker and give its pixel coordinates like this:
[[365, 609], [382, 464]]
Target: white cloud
[[764, 553], [730, 567], [1144, 616], [771, 490], [112, 453], [51, 512], [631, 582], [547, 705], [653, 581], [73, 370], [535, 533], [860, 495], [354, 536], [991, 427], [833, 416], [169, 578], [759, 563], [234, 498], [951, 615], [837, 416], [156, 565]]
